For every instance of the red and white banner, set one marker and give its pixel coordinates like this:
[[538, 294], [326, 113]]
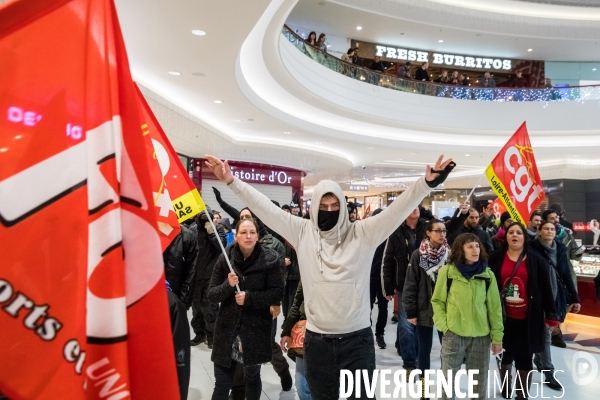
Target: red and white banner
[[514, 177], [498, 208], [175, 196], [83, 308]]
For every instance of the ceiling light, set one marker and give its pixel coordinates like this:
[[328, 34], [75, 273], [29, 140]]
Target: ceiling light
[[593, 69], [529, 49], [237, 120], [218, 101], [287, 132], [174, 73], [198, 32], [467, 155], [359, 28], [369, 148], [440, 41]]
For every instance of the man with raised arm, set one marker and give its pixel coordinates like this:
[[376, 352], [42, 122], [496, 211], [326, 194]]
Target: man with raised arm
[[334, 256]]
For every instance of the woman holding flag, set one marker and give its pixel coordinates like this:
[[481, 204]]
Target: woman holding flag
[[243, 327]]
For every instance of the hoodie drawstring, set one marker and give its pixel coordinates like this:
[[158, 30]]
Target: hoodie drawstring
[[339, 236], [319, 253]]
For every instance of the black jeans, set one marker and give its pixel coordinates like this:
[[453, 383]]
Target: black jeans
[[326, 355], [224, 381], [382, 305]]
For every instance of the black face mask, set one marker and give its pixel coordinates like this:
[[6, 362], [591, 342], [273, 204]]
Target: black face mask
[[328, 219]]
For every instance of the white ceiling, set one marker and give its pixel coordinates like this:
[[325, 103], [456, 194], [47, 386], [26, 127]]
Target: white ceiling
[[159, 39]]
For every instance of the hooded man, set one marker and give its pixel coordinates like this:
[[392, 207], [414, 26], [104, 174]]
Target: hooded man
[[205, 313], [334, 257]]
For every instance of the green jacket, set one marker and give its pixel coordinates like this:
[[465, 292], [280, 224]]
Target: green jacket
[[467, 310]]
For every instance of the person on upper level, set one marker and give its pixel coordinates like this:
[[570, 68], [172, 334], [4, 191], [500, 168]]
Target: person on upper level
[[403, 71], [443, 78], [519, 81], [321, 43], [487, 81], [422, 74], [377, 65]]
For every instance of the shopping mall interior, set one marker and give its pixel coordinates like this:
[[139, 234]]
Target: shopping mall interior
[[240, 81]]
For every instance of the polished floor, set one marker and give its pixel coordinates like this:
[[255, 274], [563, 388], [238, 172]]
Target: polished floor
[[569, 360]]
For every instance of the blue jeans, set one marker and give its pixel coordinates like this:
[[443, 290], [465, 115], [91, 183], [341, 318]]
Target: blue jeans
[[301, 383], [407, 344], [543, 360], [425, 338]]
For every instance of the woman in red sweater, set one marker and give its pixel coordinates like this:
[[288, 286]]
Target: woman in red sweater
[[529, 306]]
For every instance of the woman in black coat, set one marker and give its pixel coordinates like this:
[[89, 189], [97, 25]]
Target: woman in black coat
[[529, 307], [243, 327]]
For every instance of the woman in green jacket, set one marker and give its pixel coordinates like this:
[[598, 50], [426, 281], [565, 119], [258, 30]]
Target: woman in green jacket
[[467, 310]]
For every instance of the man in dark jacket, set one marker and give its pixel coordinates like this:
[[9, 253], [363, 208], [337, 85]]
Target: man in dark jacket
[[377, 65], [376, 292], [471, 225], [180, 260], [204, 312], [422, 74], [396, 256]]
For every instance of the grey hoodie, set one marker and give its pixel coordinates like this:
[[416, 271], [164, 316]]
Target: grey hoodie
[[335, 265]]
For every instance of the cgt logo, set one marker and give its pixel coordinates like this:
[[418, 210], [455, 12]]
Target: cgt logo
[[584, 368], [522, 185]]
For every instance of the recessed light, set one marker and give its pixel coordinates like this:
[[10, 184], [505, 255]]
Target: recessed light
[[593, 69], [467, 155], [529, 49], [198, 32], [237, 120], [218, 101], [359, 28], [441, 41], [478, 185], [174, 73], [286, 133], [369, 148]]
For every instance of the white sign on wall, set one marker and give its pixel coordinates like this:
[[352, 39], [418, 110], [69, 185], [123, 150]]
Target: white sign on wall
[[402, 54]]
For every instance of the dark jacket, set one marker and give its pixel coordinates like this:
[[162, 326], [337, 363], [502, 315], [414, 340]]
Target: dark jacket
[[252, 322], [541, 304], [403, 71], [180, 260], [270, 242], [455, 224], [181, 342], [418, 289], [566, 291], [376, 264], [491, 83], [296, 312], [377, 66], [396, 257], [293, 270], [208, 249], [481, 234], [422, 74]]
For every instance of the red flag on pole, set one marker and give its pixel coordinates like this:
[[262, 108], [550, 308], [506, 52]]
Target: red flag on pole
[[498, 207], [514, 177], [83, 308], [175, 196]]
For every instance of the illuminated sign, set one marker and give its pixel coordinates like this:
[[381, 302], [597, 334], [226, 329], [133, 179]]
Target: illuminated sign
[[443, 59], [359, 188], [402, 54], [581, 226], [274, 177], [471, 62]]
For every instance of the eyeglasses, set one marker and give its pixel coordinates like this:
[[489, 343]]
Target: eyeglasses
[[440, 231]]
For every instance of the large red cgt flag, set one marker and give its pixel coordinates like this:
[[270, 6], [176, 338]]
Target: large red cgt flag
[[175, 196], [83, 308], [514, 177]]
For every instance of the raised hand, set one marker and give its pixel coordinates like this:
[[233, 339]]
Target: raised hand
[[219, 168], [438, 174]]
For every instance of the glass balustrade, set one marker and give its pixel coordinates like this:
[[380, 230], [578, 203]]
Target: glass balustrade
[[573, 93]]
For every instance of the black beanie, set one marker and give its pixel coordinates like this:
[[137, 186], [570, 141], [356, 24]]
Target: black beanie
[[505, 215]]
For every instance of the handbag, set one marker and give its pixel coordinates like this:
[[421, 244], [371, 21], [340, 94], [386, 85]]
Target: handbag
[[296, 343], [504, 291]]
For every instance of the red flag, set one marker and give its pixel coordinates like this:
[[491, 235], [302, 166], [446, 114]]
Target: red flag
[[175, 196], [83, 309], [514, 177], [498, 207]]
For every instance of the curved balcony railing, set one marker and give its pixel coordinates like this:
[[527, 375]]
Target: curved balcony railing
[[573, 93]]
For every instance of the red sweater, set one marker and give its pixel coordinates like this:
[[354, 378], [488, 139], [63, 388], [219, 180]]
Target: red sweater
[[517, 297]]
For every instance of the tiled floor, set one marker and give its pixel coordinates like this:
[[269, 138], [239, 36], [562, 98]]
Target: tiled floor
[[202, 379]]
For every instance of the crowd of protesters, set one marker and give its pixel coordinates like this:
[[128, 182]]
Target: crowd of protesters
[[488, 292]]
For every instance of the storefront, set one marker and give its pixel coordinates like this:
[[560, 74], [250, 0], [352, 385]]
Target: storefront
[[277, 183]]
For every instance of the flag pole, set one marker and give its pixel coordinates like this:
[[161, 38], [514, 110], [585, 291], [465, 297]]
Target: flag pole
[[474, 187], [220, 244]]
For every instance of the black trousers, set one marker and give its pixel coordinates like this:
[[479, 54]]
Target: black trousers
[[382, 305], [515, 344], [204, 313], [181, 341], [326, 355], [224, 381]]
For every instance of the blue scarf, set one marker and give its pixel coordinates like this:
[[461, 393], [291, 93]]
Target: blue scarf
[[468, 270]]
